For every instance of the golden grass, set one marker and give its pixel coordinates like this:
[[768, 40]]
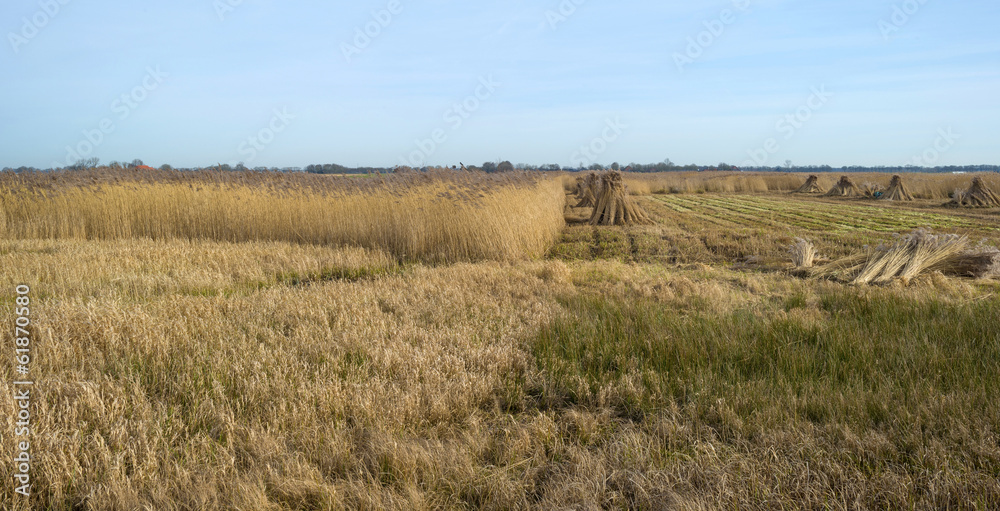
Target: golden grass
[[711, 182], [420, 390], [192, 369], [443, 217]]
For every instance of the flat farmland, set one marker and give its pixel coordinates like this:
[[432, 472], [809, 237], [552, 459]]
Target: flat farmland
[[466, 341], [729, 228]]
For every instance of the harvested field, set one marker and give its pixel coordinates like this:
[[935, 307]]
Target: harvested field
[[672, 365]]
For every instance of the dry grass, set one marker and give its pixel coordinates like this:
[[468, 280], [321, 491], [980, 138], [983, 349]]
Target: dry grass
[[186, 372], [712, 182], [920, 185], [442, 217], [460, 387]]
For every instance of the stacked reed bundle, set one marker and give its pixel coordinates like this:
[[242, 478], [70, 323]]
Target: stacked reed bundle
[[897, 190], [614, 206], [977, 196], [844, 188], [811, 186]]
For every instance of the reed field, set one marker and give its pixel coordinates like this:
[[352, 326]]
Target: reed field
[[468, 341], [439, 217]]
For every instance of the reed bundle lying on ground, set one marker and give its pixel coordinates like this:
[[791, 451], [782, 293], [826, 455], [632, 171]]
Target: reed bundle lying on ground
[[977, 196], [431, 217], [589, 191], [908, 257], [897, 190], [844, 188], [811, 186], [614, 206]]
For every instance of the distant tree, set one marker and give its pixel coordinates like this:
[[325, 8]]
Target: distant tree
[[550, 167], [615, 166], [166, 167], [489, 167], [240, 167], [505, 166], [595, 166], [135, 163]]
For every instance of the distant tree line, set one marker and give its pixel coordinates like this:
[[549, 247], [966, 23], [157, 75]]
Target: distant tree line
[[664, 166]]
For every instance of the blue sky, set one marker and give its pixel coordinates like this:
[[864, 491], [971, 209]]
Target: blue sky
[[195, 82]]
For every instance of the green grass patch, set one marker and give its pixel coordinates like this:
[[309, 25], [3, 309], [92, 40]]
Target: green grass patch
[[880, 361]]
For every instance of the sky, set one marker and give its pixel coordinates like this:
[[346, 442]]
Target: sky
[[573, 82]]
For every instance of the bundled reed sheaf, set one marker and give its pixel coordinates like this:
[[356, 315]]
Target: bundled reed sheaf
[[872, 190], [614, 206], [977, 196], [811, 186], [897, 190], [844, 188], [803, 253], [589, 190], [910, 256]]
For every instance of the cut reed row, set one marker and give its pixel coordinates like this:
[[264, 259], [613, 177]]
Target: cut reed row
[[920, 185], [432, 218], [904, 259]]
